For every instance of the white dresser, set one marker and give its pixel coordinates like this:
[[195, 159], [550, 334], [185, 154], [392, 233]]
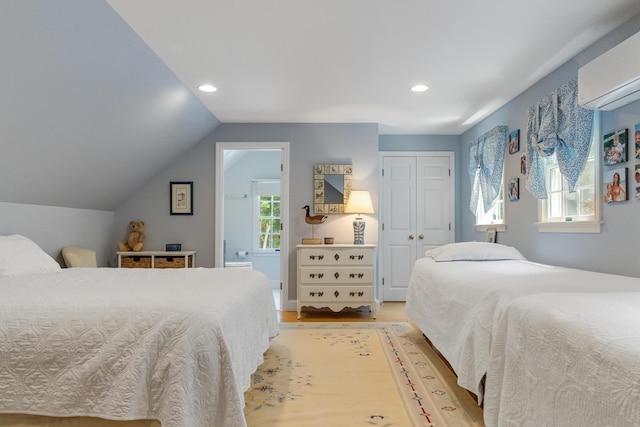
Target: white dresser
[[336, 276]]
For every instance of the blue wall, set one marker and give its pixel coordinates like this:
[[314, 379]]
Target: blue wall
[[614, 249]]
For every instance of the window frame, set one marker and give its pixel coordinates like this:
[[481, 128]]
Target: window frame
[[500, 225], [568, 225], [256, 196]]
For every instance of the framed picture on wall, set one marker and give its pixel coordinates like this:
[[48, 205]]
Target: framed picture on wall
[[637, 182], [615, 185], [514, 141], [615, 147], [636, 137], [181, 198], [523, 164], [514, 189]]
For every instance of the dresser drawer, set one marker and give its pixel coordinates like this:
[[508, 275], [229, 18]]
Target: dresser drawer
[[345, 275], [324, 256], [171, 262], [136, 262], [344, 294]]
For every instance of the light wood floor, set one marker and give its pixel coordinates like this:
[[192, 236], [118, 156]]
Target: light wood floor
[[389, 312]]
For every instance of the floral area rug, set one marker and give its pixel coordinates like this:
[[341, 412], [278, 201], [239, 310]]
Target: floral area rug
[[355, 374]]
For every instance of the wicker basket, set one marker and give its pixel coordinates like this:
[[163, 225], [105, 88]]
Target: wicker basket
[[135, 262], [171, 262]]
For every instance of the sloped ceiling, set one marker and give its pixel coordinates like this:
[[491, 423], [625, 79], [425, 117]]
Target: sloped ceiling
[[88, 113], [355, 60], [94, 102]]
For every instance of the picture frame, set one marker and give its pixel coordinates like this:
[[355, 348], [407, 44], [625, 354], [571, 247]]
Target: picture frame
[[636, 137], [492, 234], [514, 141], [523, 164], [615, 191], [181, 197], [514, 189], [614, 147], [637, 182]]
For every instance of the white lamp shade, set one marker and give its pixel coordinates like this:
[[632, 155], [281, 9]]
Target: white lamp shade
[[359, 203]]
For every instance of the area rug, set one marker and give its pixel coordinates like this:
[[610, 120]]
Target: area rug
[[355, 374]]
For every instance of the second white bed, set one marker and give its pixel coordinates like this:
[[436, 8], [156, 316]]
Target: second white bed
[[458, 304]]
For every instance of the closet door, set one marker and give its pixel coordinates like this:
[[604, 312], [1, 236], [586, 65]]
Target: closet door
[[417, 214]]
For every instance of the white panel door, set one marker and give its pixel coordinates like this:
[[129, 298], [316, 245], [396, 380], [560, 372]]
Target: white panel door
[[417, 215]]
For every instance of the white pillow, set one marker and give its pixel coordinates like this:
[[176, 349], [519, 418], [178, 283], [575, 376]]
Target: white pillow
[[473, 251], [19, 255]]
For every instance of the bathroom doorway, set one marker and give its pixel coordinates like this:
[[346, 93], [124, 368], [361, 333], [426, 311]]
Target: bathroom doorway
[[251, 210]]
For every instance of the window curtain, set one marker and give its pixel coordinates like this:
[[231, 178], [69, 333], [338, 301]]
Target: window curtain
[[557, 124], [486, 161]]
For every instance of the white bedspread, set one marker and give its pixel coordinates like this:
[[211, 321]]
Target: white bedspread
[[177, 345], [566, 360], [458, 304]]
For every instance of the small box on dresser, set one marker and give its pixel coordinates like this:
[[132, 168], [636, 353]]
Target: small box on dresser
[[336, 276]]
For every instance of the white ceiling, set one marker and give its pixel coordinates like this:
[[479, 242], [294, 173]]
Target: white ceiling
[[355, 60]]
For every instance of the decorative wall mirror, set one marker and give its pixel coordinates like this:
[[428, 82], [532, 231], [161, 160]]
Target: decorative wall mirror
[[332, 184]]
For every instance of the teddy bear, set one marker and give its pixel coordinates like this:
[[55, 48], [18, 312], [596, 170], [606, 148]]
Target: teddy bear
[[135, 240]]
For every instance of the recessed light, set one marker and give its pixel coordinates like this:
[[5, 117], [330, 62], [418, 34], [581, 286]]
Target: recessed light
[[419, 88], [207, 88]]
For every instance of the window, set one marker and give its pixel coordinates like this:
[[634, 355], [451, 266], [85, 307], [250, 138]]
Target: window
[[494, 217], [269, 222], [577, 212], [266, 216]]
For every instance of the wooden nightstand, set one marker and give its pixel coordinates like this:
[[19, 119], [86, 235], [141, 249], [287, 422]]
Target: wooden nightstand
[[157, 259], [336, 276]]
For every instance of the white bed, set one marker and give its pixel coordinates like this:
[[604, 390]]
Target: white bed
[[458, 294], [566, 360], [175, 345]]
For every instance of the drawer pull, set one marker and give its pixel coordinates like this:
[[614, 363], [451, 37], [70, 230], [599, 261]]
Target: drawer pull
[[359, 257], [336, 256], [354, 275], [313, 294], [337, 294], [320, 257], [336, 275], [313, 275], [353, 294]]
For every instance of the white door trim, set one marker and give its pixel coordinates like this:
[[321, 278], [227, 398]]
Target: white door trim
[[285, 304]]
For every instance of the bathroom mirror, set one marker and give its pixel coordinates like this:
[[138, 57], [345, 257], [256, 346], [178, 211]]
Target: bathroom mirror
[[332, 184]]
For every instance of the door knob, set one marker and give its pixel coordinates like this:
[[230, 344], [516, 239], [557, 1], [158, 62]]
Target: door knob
[[421, 237], [411, 237]]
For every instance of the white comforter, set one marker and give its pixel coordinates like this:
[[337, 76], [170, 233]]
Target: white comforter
[[177, 345], [459, 304], [566, 360]]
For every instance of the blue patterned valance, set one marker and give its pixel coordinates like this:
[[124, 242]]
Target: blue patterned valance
[[557, 124], [486, 162]]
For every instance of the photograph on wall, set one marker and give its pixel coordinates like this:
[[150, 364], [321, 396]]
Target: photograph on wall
[[637, 182], [615, 185], [615, 147], [514, 141], [636, 137], [523, 164], [514, 189]]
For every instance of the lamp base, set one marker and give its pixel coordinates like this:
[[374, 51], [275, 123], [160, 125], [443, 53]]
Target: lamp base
[[358, 231]]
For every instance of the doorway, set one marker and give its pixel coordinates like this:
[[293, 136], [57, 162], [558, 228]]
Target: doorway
[[251, 212]]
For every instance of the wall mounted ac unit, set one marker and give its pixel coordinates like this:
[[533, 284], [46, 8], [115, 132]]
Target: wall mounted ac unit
[[612, 79]]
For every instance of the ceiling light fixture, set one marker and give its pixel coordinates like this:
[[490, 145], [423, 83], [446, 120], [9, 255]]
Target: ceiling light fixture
[[207, 88], [419, 88]]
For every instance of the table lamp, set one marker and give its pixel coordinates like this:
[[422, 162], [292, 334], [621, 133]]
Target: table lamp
[[359, 203]]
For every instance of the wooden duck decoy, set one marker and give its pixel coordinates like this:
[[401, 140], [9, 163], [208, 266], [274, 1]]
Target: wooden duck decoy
[[315, 219]]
